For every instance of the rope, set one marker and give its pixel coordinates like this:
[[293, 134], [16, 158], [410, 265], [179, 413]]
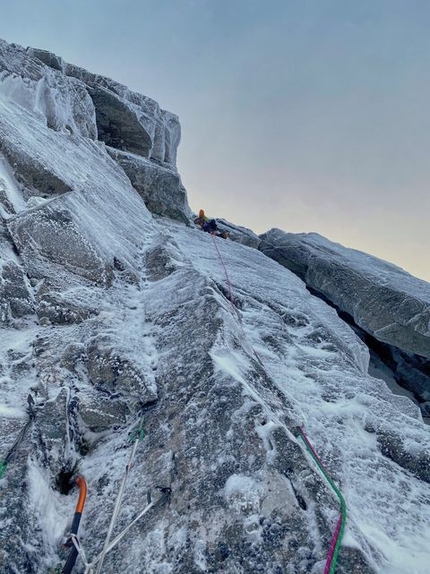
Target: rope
[[3, 468], [127, 528], [336, 540], [97, 563], [136, 437], [225, 271], [89, 566], [232, 300]]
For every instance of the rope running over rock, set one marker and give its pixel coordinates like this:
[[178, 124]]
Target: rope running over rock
[[336, 541], [330, 566]]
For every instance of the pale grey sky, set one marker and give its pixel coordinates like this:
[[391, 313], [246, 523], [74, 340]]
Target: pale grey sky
[[307, 115]]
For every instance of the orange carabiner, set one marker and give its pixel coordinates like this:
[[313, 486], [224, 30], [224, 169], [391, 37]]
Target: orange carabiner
[[82, 485]]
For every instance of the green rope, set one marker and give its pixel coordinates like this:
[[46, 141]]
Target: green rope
[[333, 553], [3, 468], [139, 433]]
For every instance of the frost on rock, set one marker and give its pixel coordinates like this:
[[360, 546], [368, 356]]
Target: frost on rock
[[51, 234], [388, 307], [160, 187], [15, 296], [64, 105], [78, 103], [111, 316], [131, 115], [240, 234], [383, 299]]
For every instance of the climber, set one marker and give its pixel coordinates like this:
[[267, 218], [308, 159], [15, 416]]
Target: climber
[[210, 226], [201, 219]]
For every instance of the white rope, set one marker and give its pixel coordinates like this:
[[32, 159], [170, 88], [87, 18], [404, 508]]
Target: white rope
[[79, 549], [127, 528], [118, 502], [89, 567], [108, 544]]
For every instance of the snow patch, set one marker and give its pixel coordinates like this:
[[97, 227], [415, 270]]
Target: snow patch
[[243, 493], [52, 511]]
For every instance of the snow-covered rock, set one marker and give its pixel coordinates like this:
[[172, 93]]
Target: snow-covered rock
[[240, 234], [125, 120], [384, 300], [160, 187], [61, 102], [112, 316], [71, 100]]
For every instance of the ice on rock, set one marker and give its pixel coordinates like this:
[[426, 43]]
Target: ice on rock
[[383, 299], [112, 314]]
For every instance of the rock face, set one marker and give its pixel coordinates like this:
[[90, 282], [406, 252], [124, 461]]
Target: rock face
[[61, 102], [240, 234], [390, 307], [159, 187], [112, 319], [125, 120], [70, 99], [384, 300]]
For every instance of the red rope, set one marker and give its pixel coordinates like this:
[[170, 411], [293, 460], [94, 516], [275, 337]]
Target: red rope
[[231, 295], [331, 561], [336, 540], [333, 543], [225, 271]]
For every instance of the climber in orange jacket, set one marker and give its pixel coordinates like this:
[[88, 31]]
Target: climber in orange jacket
[[201, 219], [209, 225]]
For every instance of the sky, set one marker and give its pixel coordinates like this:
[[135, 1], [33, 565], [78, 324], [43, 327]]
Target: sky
[[306, 115]]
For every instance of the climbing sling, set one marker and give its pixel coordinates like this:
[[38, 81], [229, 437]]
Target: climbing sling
[[137, 436]]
